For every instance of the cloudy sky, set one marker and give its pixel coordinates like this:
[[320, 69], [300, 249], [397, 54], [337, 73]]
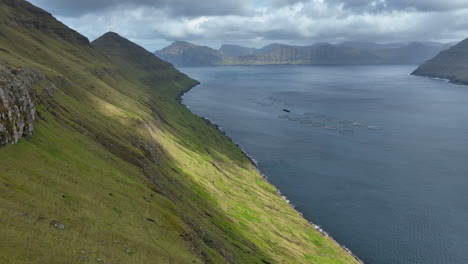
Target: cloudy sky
[[156, 23]]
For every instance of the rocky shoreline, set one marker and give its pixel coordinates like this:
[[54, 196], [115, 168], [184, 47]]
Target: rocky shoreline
[[255, 165], [449, 79]]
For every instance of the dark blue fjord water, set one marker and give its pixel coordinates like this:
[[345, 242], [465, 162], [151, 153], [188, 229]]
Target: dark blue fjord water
[[376, 157]]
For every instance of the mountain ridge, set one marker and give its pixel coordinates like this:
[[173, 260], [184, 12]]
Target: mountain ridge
[[42, 21], [315, 54], [185, 53]]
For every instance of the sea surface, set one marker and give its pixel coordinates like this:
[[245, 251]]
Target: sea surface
[[376, 157]]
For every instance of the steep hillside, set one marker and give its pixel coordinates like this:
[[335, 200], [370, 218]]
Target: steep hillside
[[331, 54], [450, 64], [411, 53], [236, 50], [110, 168], [317, 54], [181, 53]]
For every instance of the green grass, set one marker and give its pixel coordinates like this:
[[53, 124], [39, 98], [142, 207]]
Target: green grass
[[451, 64], [133, 175]]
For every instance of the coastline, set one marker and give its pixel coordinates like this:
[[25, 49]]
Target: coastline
[[255, 165], [450, 80]]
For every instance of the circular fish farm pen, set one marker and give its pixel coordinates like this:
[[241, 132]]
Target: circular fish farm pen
[[346, 132], [358, 124], [318, 124], [342, 126], [374, 128]]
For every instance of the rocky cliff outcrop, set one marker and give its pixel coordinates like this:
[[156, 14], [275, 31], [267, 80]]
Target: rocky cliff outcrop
[[18, 102]]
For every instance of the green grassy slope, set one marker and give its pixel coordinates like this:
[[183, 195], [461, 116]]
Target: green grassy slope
[[132, 175], [450, 64]]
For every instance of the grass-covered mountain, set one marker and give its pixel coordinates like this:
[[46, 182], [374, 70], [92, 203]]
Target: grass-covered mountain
[[101, 164], [187, 54], [450, 64]]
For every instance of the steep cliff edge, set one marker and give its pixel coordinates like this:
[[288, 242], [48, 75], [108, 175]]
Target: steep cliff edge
[[451, 64], [182, 53], [18, 101]]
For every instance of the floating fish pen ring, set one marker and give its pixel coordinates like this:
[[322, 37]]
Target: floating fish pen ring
[[306, 122], [318, 124], [283, 116], [309, 114], [374, 128], [346, 132], [358, 124], [294, 119]]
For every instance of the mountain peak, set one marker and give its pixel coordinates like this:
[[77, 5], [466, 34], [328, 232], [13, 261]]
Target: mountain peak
[[185, 53], [125, 51], [111, 34], [182, 42], [111, 37], [112, 40]]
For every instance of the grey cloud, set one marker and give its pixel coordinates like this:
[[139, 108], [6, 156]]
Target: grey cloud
[[255, 23], [428, 5], [181, 8], [361, 6], [280, 3], [189, 8]]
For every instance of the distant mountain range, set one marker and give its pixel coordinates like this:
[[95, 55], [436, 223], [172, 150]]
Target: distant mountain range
[[451, 64], [181, 53]]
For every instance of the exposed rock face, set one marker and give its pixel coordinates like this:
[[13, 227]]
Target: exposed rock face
[[18, 103]]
